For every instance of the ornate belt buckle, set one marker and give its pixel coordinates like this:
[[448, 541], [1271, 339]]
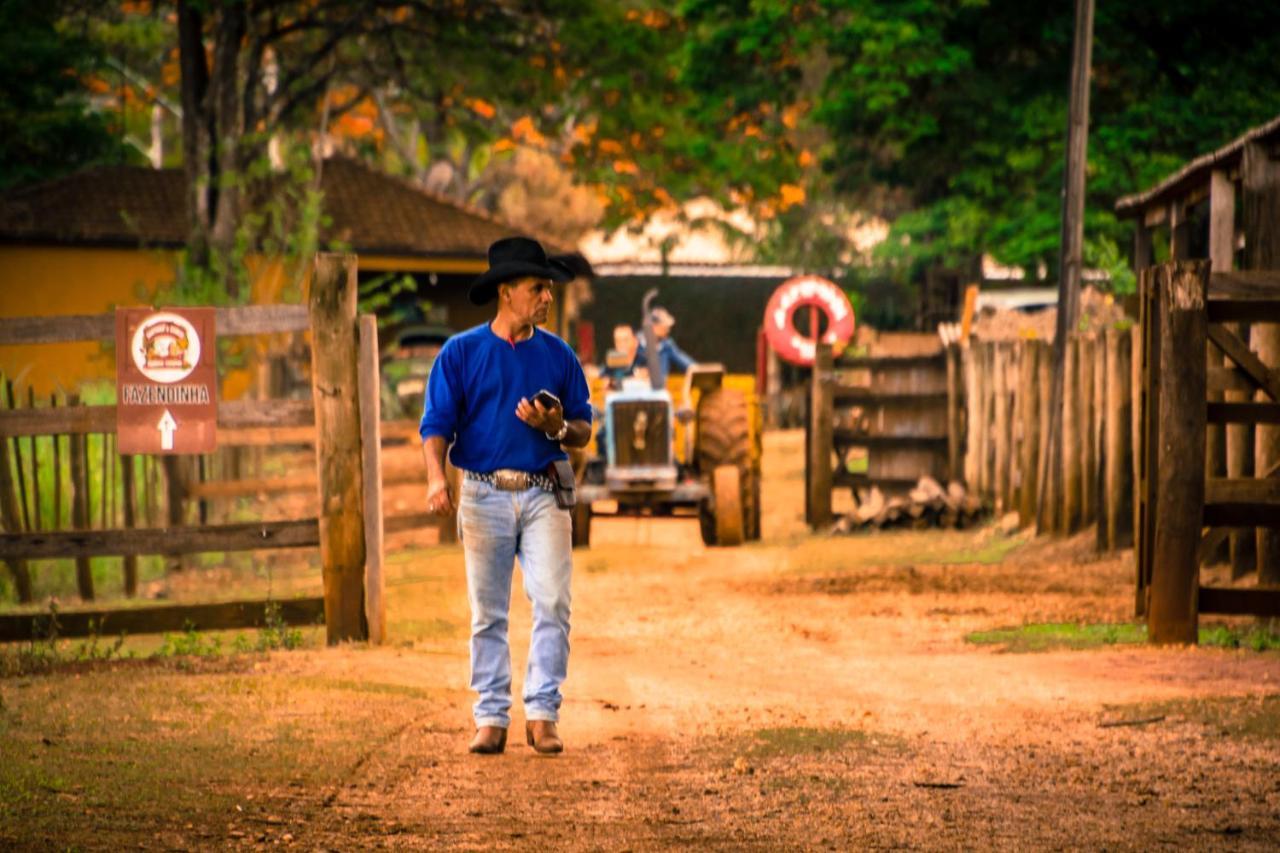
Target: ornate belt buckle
[[510, 481]]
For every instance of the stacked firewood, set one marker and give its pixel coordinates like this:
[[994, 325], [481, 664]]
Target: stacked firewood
[[927, 505]]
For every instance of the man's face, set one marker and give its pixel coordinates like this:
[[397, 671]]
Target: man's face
[[661, 330], [529, 299], [624, 340]]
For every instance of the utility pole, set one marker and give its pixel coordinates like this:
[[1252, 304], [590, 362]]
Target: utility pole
[[1072, 243]]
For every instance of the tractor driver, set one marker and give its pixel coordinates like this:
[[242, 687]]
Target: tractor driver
[[484, 398], [671, 359], [621, 360]]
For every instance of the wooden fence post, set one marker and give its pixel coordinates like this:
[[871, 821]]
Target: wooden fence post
[[1117, 477], [371, 443], [986, 382], [1029, 452], [973, 426], [334, 386], [821, 425], [80, 506], [11, 516], [1172, 616], [130, 522], [1069, 463], [1048, 485], [955, 424], [1088, 433], [1002, 428]]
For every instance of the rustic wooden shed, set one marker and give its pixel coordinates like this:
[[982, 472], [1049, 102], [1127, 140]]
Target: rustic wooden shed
[[1223, 207]]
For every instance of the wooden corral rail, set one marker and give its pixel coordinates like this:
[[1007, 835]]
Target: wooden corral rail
[[1182, 308], [349, 531]]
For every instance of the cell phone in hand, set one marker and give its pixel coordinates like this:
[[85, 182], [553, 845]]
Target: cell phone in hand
[[547, 399]]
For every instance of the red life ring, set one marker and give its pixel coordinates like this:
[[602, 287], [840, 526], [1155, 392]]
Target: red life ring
[[779, 317]]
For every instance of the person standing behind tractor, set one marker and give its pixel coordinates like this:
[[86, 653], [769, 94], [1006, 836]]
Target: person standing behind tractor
[[671, 359], [485, 397]]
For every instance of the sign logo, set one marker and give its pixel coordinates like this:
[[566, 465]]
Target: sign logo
[[166, 348], [166, 380]]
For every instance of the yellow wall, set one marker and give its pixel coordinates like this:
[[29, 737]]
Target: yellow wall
[[50, 281]]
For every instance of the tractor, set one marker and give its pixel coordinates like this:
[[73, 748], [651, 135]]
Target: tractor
[[638, 470]]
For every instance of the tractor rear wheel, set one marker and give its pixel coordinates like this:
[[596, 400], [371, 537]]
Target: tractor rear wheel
[[727, 485], [724, 438]]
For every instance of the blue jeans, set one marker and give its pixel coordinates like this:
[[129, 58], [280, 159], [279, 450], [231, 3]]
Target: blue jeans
[[496, 527]]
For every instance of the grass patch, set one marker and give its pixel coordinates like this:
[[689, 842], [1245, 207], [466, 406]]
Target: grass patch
[[1238, 717], [801, 740], [1066, 635], [995, 550]]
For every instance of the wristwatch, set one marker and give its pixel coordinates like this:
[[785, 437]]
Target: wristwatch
[[559, 436]]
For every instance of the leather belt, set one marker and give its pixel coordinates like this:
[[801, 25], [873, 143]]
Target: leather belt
[[511, 480]]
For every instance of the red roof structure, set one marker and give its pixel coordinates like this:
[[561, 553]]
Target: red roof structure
[[131, 206]]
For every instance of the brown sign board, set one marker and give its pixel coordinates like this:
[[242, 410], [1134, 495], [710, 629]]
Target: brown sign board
[[166, 380]]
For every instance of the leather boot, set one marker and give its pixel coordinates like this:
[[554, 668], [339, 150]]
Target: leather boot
[[542, 736], [489, 740]]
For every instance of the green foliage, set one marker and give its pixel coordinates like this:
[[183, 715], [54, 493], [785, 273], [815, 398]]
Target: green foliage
[[390, 298], [275, 634], [949, 117], [46, 126]]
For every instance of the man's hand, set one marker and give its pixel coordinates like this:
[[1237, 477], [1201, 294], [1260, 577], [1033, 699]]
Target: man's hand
[[439, 501], [540, 417]]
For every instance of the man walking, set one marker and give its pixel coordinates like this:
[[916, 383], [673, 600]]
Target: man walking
[[507, 395]]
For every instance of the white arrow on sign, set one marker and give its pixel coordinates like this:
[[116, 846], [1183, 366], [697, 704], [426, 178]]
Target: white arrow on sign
[[167, 426]]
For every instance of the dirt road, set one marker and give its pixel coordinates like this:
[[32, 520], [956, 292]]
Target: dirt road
[[802, 693]]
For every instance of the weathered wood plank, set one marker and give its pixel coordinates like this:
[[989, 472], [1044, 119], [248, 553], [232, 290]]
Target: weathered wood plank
[[250, 536], [240, 320], [845, 436], [335, 386], [1243, 490], [1247, 360], [1244, 296], [1240, 602], [371, 471], [1171, 615], [821, 438], [307, 481], [894, 361], [391, 432], [82, 420], [154, 620], [861, 394], [1227, 378], [1243, 413], [1118, 440]]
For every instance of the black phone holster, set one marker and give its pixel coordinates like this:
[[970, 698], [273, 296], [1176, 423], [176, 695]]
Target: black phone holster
[[561, 473]]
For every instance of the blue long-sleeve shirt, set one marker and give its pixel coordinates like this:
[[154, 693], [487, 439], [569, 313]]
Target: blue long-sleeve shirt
[[472, 392]]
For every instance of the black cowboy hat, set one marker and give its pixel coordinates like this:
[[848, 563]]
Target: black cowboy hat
[[511, 258]]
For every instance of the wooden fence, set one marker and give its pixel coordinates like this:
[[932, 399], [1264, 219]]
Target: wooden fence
[[348, 530], [904, 411], [1007, 412]]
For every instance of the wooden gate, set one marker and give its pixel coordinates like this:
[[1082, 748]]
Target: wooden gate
[[905, 411], [1183, 516], [349, 528]]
